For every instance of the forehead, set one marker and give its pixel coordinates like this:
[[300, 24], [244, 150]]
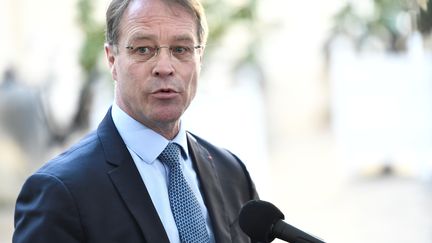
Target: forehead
[[157, 20]]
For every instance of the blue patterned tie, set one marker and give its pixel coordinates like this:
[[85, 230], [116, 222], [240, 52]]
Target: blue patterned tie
[[184, 205]]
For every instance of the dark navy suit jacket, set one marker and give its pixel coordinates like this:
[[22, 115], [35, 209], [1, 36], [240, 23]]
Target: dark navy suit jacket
[[93, 193]]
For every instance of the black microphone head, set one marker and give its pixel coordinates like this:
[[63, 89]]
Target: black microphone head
[[257, 218]]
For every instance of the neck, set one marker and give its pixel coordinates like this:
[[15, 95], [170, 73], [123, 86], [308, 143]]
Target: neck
[[168, 131]]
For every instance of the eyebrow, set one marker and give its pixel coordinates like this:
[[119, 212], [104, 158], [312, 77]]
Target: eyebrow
[[184, 38], [150, 37], [140, 36]]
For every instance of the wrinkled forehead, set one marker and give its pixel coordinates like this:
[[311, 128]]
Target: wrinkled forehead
[[152, 18], [156, 7]]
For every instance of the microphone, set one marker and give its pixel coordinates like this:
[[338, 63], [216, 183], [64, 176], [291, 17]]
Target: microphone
[[263, 222]]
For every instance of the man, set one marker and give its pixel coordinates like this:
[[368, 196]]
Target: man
[[120, 184]]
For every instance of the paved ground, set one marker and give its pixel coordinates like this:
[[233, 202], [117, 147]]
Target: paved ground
[[316, 194], [6, 223], [387, 209]]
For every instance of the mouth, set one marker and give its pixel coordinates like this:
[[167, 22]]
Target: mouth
[[165, 93]]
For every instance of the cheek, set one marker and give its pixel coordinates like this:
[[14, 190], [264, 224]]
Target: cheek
[[193, 85], [129, 75], [126, 83]]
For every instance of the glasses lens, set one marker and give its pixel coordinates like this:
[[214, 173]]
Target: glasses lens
[[183, 53], [142, 53], [146, 53]]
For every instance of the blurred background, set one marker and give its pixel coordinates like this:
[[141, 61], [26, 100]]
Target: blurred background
[[329, 104]]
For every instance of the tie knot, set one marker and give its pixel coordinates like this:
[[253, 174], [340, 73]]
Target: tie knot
[[170, 155]]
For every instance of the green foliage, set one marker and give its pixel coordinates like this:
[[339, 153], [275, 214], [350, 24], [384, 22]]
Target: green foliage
[[425, 19], [381, 23], [91, 49], [221, 15], [93, 37]]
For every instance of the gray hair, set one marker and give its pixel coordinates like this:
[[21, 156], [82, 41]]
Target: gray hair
[[117, 8]]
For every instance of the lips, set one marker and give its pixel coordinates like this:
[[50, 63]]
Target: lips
[[165, 94]]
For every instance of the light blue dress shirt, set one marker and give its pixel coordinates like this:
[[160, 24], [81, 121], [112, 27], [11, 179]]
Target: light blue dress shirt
[[145, 145]]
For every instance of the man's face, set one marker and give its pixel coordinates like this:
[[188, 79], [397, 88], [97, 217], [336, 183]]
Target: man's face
[[155, 92]]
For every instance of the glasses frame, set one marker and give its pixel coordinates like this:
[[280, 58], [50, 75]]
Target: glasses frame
[[170, 49]]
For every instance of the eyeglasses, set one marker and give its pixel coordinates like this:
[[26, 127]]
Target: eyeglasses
[[180, 52]]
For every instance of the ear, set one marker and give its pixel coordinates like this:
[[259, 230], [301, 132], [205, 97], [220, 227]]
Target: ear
[[110, 54]]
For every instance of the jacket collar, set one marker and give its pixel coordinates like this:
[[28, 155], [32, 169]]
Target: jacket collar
[[126, 179], [211, 187]]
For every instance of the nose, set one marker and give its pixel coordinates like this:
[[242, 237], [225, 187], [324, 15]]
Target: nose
[[163, 66]]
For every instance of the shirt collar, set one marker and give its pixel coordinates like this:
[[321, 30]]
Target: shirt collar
[[146, 143]]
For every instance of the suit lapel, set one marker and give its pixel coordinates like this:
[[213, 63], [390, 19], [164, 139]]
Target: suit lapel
[[211, 188], [128, 182]]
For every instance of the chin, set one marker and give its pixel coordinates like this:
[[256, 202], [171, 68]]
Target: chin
[[168, 117]]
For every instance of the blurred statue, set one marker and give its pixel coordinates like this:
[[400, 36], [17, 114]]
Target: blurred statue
[[20, 115]]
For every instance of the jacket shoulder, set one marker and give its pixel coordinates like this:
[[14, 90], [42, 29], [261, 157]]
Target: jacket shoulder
[[76, 160], [214, 150], [228, 165]]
